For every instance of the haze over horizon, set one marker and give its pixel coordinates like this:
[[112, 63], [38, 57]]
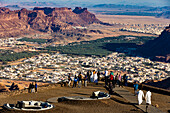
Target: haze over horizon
[[153, 3]]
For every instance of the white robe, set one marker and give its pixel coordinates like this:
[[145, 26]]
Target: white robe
[[106, 73], [148, 97], [140, 96], [95, 78]]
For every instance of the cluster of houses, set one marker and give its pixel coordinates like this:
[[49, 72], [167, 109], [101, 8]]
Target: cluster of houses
[[155, 29], [10, 42], [54, 68], [15, 45]]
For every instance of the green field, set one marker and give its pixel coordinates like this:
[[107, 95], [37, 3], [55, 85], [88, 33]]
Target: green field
[[100, 47], [8, 55]]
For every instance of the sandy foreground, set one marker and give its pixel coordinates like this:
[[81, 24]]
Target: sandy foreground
[[116, 104]]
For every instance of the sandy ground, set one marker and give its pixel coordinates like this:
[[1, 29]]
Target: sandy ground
[[109, 31], [116, 104], [163, 101], [132, 19]]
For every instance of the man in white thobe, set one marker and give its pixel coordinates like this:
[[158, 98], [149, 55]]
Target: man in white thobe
[[148, 97], [140, 97], [95, 78]]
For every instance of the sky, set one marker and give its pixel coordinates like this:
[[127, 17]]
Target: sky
[[153, 3]]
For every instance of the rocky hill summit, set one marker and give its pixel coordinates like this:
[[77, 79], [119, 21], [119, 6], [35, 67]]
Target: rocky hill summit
[[158, 48], [17, 22]]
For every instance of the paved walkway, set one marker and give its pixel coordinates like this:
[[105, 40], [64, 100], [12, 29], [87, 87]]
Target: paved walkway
[[133, 99]]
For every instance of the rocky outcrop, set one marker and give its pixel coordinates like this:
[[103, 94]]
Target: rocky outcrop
[[85, 15], [10, 24], [158, 47], [13, 23]]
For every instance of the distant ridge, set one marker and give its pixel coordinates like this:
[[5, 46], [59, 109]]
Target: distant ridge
[[13, 6], [160, 12], [120, 6]]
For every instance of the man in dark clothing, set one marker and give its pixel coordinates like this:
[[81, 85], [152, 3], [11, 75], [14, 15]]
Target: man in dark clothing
[[75, 81], [98, 75], [29, 88], [36, 86], [88, 76], [125, 79], [117, 79]]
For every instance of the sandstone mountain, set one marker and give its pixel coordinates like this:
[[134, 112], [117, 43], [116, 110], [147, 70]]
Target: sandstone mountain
[[18, 22], [159, 47]]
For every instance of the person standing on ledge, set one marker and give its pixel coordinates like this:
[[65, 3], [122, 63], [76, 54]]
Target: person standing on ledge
[[75, 81], [69, 80], [95, 78], [36, 86], [79, 80], [106, 79], [140, 97], [135, 88], [98, 75], [85, 80], [125, 79], [148, 97]]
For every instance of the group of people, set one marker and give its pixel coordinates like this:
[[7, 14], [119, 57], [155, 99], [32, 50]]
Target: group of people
[[94, 76], [140, 94], [32, 87], [90, 76], [112, 80], [79, 79]]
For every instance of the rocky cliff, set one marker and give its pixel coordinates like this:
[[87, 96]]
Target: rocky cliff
[[14, 23], [158, 48]]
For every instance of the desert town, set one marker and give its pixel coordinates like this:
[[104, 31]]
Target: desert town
[[155, 29], [54, 68]]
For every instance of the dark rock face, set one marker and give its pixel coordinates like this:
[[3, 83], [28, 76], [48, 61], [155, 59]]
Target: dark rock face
[[158, 47], [85, 15], [45, 19], [164, 15], [79, 10], [4, 10]]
